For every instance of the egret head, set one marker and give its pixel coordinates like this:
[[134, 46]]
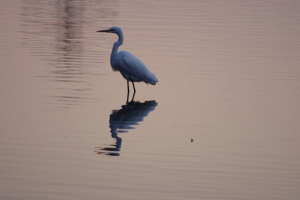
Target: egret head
[[118, 31], [113, 29]]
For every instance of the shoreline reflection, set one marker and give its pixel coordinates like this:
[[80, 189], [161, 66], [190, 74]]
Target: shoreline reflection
[[120, 121]]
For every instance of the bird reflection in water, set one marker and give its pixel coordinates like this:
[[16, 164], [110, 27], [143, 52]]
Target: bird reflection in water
[[120, 121]]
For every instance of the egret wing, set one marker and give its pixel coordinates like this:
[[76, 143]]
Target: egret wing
[[133, 68]]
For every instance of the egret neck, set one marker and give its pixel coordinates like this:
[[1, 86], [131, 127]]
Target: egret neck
[[116, 47]]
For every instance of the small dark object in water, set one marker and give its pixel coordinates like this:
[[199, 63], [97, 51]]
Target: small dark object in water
[[192, 140]]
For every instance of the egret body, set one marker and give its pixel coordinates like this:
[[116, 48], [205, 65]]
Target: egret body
[[131, 68]]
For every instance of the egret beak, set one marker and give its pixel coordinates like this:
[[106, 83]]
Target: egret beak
[[104, 30]]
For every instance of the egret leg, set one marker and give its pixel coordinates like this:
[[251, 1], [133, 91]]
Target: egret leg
[[132, 97], [133, 87], [127, 90], [133, 92], [128, 86]]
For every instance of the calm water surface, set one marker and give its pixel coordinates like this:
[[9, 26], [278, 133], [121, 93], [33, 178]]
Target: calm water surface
[[222, 122]]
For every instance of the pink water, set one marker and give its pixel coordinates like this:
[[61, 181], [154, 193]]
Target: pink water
[[222, 122]]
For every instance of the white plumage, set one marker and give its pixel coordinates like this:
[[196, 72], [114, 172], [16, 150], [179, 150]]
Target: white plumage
[[131, 68]]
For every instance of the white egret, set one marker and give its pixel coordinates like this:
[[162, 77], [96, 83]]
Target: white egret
[[131, 68]]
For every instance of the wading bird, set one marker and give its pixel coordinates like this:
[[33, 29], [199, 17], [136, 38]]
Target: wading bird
[[131, 68]]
